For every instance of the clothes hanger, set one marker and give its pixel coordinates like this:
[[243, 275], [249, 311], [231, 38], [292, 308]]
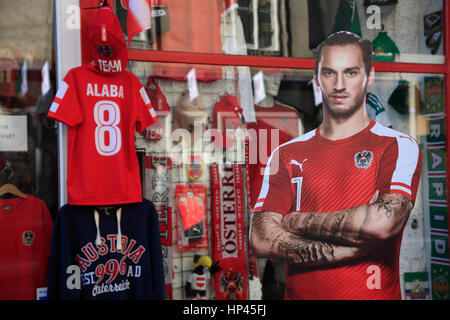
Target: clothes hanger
[[12, 189], [9, 187]]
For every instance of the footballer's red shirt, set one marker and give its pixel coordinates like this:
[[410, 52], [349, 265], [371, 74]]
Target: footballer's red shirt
[[25, 237], [102, 112], [314, 174]]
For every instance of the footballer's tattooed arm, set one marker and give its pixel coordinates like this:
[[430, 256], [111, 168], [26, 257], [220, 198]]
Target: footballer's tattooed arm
[[269, 240], [380, 219]]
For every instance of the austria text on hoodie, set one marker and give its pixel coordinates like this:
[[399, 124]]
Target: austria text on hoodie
[[112, 254]]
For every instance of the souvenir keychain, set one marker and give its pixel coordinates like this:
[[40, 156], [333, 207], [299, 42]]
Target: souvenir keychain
[[195, 167]]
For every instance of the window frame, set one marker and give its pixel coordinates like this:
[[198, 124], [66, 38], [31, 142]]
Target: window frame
[[292, 63]]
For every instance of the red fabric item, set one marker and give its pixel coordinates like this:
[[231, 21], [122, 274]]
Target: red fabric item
[[105, 30], [314, 174], [226, 116], [227, 203], [158, 99], [156, 131], [191, 216], [280, 117], [103, 113], [194, 27], [192, 211], [229, 3], [9, 70], [25, 237]]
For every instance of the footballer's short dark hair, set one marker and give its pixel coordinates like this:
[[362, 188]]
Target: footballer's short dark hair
[[343, 38]]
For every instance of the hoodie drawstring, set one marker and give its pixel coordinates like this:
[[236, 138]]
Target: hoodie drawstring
[[97, 224], [119, 230]]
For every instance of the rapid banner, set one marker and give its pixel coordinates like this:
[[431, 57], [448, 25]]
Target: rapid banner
[[416, 286], [158, 183], [437, 190], [227, 209]]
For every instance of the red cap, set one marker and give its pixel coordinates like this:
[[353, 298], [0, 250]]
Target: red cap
[[229, 107], [105, 34]]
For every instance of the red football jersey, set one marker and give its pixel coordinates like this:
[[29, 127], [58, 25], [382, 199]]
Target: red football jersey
[[103, 113], [274, 126], [314, 174], [25, 237]]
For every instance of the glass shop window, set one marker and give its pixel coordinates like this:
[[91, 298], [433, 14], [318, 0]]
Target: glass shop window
[[401, 31], [28, 147]]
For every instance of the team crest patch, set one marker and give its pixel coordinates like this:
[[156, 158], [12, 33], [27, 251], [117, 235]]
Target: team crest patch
[[27, 238], [363, 159], [195, 167], [231, 284]]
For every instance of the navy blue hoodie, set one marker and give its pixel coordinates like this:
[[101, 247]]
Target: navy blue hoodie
[[113, 255]]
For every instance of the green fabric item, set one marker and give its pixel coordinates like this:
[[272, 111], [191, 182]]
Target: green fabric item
[[433, 42], [400, 96], [375, 103], [384, 48], [347, 18]]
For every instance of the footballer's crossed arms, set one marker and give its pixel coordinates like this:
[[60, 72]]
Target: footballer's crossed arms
[[328, 238]]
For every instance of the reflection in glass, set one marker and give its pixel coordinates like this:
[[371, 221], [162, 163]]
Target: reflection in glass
[[401, 31], [28, 147]]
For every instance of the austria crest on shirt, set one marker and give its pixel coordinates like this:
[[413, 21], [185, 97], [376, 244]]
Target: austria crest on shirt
[[28, 237], [363, 159]]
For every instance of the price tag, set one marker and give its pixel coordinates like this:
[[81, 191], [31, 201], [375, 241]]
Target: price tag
[[192, 84], [13, 133], [258, 83], [45, 85]]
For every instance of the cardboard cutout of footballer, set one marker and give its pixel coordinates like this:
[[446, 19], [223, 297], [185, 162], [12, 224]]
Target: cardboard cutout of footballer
[[334, 202]]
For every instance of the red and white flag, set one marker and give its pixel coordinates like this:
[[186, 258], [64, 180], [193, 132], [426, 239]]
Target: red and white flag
[[139, 16]]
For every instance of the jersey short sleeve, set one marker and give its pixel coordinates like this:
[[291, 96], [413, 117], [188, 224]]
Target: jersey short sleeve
[[400, 168], [66, 104], [146, 115], [275, 194]]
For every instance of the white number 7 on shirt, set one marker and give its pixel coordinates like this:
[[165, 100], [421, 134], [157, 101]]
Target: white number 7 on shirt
[[298, 181]]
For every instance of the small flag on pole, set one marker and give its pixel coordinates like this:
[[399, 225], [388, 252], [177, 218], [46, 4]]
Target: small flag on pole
[[139, 16]]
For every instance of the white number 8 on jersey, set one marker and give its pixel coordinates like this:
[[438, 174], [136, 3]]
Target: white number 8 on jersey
[[107, 126]]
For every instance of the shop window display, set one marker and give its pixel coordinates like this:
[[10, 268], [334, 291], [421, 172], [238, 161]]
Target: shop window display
[[402, 110], [402, 31], [395, 100], [28, 152], [201, 160], [104, 105]]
